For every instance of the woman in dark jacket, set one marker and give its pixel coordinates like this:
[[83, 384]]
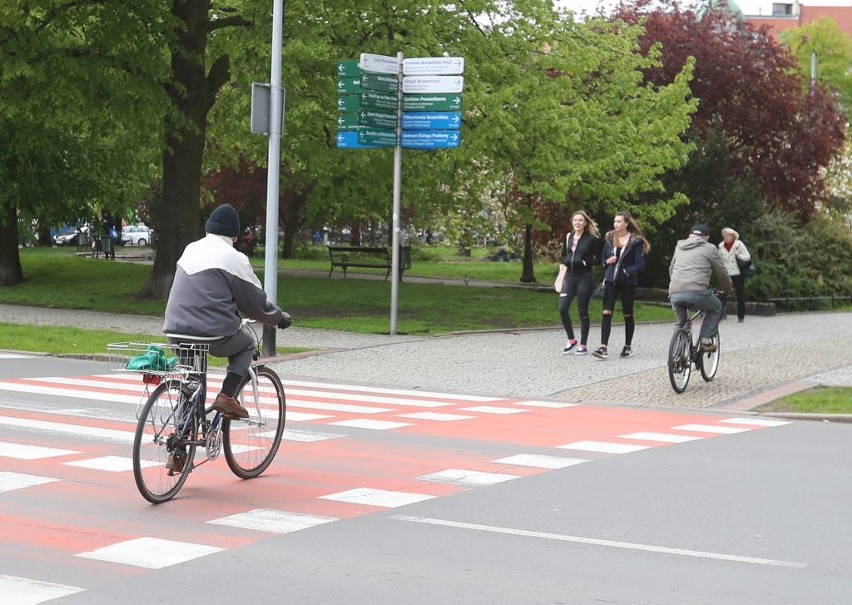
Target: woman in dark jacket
[[575, 278], [624, 258]]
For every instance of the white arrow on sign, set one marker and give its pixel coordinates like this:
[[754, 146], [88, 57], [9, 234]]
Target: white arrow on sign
[[379, 63], [421, 84], [433, 66]]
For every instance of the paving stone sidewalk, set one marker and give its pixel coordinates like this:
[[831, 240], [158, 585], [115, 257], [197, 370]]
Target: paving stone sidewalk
[[762, 356]]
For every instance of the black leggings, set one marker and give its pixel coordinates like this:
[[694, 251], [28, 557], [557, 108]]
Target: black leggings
[[628, 295], [580, 286], [739, 289]]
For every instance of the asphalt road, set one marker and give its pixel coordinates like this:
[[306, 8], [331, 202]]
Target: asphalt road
[[465, 499]]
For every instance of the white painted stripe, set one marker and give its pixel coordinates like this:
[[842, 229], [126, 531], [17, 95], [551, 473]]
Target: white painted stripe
[[308, 436], [150, 553], [756, 421], [114, 385], [603, 447], [546, 404], [460, 476], [710, 428], [491, 409], [67, 429], [664, 437], [376, 425], [377, 497], [272, 521], [72, 393], [541, 461], [15, 356], [10, 481], [335, 407], [23, 451], [295, 416], [388, 391], [436, 416], [112, 464], [25, 591], [420, 403], [599, 542]]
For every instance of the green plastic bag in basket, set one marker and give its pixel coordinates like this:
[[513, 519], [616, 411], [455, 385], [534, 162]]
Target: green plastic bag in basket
[[154, 359]]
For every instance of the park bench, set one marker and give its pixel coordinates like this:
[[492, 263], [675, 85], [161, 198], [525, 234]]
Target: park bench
[[346, 257]]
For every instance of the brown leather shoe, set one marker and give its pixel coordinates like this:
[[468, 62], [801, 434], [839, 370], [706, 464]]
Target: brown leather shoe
[[229, 407]]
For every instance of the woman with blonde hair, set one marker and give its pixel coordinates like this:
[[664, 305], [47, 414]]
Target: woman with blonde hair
[[731, 250], [579, 249], [623, 257]]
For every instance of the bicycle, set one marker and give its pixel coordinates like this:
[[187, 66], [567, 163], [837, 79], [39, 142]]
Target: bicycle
[[175, 419], [685, 352]]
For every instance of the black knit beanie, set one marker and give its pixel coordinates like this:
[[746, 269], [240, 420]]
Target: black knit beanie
[[224, 221]]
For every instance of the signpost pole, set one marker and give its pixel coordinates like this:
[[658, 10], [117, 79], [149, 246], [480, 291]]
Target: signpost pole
[[270, 273], [397, 192]]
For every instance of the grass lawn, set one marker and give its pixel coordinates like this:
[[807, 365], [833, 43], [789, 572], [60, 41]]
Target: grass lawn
[[58, 278], [820, 400]]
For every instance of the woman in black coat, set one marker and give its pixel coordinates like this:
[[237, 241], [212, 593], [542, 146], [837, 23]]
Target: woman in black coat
[[575, 278]]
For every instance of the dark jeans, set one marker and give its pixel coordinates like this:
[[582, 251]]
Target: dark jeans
[[628, 296], [739, 290], [581, 287]]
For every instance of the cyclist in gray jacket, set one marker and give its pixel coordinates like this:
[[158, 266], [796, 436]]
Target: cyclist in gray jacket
[[695, 258], [213, 284]]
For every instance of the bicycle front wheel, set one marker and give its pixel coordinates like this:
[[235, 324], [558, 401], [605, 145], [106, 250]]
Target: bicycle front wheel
[[161, 463], [708, 363], [250, 445], [680, 365]]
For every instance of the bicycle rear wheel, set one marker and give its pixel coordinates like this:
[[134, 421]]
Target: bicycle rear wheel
[[251, 444], [679, 363], [161, 465], [708, 363]]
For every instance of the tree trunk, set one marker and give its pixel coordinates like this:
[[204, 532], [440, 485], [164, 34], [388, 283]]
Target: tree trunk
[[177, 214], [11, 273], [528, 271]]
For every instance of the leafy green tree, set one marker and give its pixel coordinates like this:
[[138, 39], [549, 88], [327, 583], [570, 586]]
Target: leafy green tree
[[71, 75], [833, 50]]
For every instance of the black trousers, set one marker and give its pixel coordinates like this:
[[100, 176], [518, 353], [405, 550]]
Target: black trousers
[[739, 290], [581, 287]]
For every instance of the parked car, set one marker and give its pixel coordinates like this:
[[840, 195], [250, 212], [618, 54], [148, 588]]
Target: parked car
[[136, 235], [70, 236]]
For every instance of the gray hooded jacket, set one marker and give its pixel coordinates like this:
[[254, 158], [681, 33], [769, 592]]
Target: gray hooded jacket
[[693, 261]]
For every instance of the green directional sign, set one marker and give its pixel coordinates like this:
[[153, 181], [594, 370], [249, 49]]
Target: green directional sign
[[377, 119], [349, 86], [430, 102], [348, 69], [378, 100], [347, 121], [379, 82], [349, 103], [377, 137]]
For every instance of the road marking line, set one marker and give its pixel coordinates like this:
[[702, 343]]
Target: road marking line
[[365, 423], [25, 591], [377, 497], [458, 476], [111, 464], [540, 461], [709, 428], [603, 447], [598, 542], [492, 409], [546, 404], [756, 421], [150, 553], [272, 521], [412, 393], [664, 437], [10, 481], [23, 451], [308, 436], [68, 429], [435, 416], [420, 403]]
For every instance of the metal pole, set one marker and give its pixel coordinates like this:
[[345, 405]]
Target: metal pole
[[397, 187], [813, 69], [270, 272]]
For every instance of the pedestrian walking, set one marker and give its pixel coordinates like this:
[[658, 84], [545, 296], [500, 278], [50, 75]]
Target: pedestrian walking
[[623, 256], [575, 279], [732, 250]]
